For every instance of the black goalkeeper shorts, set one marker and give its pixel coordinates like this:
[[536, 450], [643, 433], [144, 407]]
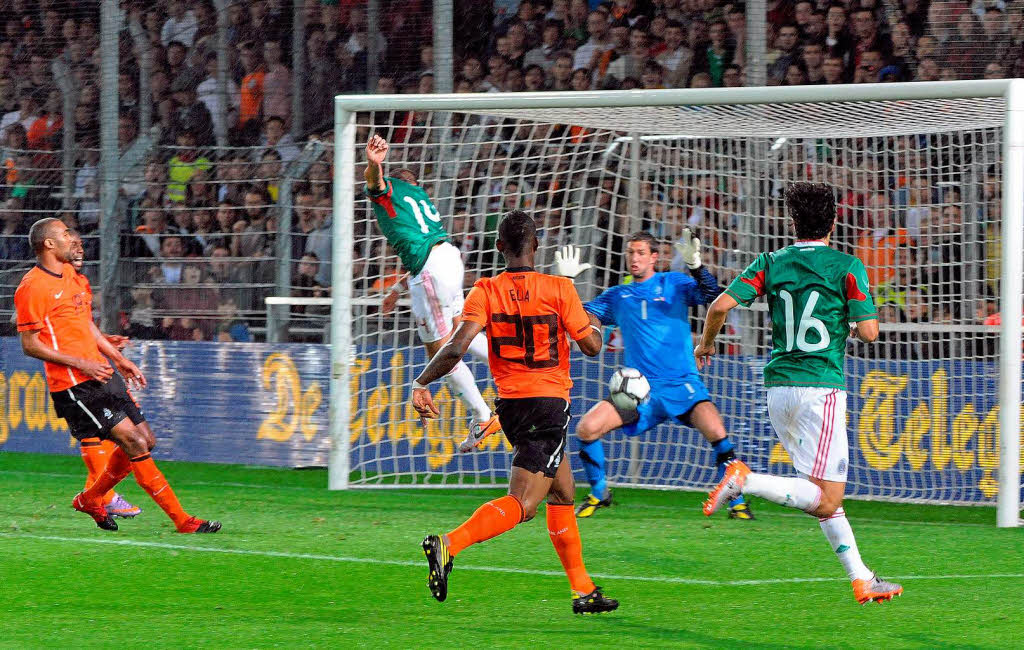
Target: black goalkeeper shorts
[[536, 427]]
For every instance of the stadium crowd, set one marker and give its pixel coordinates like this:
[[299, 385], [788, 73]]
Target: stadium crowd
[[199, 220]]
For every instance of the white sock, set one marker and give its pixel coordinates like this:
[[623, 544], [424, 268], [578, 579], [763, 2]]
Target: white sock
[[462, 385], [478, 348], [840, 536], [796, 493]]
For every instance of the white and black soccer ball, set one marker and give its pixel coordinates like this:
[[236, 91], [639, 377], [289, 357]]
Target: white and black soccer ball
[[628, 388]]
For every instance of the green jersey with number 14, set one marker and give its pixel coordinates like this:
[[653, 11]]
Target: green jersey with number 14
[[409, 221], [814, 292]]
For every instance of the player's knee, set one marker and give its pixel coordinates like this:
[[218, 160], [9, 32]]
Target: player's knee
[[828, 506], [587, 430]]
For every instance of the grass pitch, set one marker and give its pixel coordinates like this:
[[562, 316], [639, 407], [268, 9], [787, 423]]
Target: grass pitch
[[298, 566]]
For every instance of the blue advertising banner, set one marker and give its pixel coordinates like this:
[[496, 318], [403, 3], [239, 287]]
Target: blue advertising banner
[[918, 429]]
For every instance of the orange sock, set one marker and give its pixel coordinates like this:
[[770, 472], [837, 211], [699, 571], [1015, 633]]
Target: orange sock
[[153, 482], [95, 458], [565, 537], [109, 446], [117, 467], [490, 520]]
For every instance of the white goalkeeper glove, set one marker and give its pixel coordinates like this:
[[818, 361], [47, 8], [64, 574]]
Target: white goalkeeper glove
[[567, 262], [689, 249]]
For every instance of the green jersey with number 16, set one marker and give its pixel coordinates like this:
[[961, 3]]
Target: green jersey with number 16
[[814, 292], [409, 221]]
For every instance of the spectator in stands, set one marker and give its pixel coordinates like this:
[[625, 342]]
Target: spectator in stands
[[142, 323], [784, 54], [40, 81], [877, 247], [717, 54], [631, 63], [319, 241], [276, 139], [256, 239], [619, 46], [588, 54], [172, 249], [561, 72], [184, 164], [927, 70], [208, 92], [277, 84], [544, 54], [812, 56], [269, 173], [14, 247], [189, 114], [906, 276], [838, 42], [180, 24], [867, 36], [251, 92], [733, 76], [653, 76], [319, 181], [533, 79], [677, 59], [871, 64], [230, 326], [177, 63], [581, 79], [204, 230], [26, 114], [942, 235]]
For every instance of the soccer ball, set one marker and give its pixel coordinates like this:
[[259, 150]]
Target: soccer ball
[[628, 388]]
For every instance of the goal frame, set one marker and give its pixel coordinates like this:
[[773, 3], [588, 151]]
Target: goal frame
[[346, 108]]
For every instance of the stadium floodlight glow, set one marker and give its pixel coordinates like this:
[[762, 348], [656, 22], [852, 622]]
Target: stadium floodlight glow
[[961, 129]]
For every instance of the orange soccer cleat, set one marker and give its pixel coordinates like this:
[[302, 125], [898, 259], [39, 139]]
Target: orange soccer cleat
[[97, 512], [730, 487], [478, 431], [197, 525], [875, 589]]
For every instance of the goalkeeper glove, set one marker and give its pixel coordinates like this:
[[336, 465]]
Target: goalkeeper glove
[[689, 249], [567, 262]]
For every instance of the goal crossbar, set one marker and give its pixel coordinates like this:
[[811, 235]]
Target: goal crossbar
[[1001, 105]]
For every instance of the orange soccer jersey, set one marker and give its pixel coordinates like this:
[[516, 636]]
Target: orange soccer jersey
[[60, 307], [529, 318]]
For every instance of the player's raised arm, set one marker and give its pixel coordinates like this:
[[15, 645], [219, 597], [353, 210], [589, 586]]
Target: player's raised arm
[[688, 249], [376, 151]]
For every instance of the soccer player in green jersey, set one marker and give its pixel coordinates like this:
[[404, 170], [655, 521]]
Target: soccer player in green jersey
[[817, 297], [412, 225]]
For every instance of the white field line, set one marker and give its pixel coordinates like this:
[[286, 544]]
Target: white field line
[[470, 567]]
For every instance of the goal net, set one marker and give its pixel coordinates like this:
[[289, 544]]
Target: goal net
[[919, 187]]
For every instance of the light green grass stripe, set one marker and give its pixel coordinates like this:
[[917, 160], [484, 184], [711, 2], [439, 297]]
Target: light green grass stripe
[[470, 567]]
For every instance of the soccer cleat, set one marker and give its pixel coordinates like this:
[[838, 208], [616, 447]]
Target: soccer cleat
[[478, 431], [98, 513], [440, 563], [593, 603], [741, 511], [591, 504], [119, 507], [197, 525], [875, 589], [730, 487]]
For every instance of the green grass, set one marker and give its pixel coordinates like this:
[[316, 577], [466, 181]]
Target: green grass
[[81, 587]]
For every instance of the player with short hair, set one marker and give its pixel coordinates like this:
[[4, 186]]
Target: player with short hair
[[814, 294], [652, 312], [95, 452], [412, 225], [529, 318], [55, 322]]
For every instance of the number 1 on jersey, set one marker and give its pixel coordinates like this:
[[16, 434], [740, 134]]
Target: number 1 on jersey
[[807, 322]]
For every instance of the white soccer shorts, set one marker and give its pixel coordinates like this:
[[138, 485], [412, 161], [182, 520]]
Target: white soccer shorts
[[811, 423], [436, 293]]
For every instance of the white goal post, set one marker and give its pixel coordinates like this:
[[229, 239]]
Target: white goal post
[[830, 132]]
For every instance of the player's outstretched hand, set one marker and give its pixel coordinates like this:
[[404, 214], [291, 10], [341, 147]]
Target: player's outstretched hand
[[689, 249], [424, 405], [703, 354], [377, 149], [98, 370], [567, 262], [132, 374]]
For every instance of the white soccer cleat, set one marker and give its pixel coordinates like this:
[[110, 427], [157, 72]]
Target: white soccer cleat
[[478, 431]]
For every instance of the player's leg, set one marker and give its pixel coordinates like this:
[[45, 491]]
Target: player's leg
[[118, 506], [565, 537], [95, 455], [599, 420], [132, 456], [704, 417]]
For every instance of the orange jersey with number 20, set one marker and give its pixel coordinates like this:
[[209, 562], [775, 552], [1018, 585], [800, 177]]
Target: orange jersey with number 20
[[529, 318]]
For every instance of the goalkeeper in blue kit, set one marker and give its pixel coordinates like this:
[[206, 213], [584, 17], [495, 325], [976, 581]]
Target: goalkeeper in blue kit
[[653, 314]]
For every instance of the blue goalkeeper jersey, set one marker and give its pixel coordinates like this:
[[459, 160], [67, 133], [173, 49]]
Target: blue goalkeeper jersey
[[654, 319]]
